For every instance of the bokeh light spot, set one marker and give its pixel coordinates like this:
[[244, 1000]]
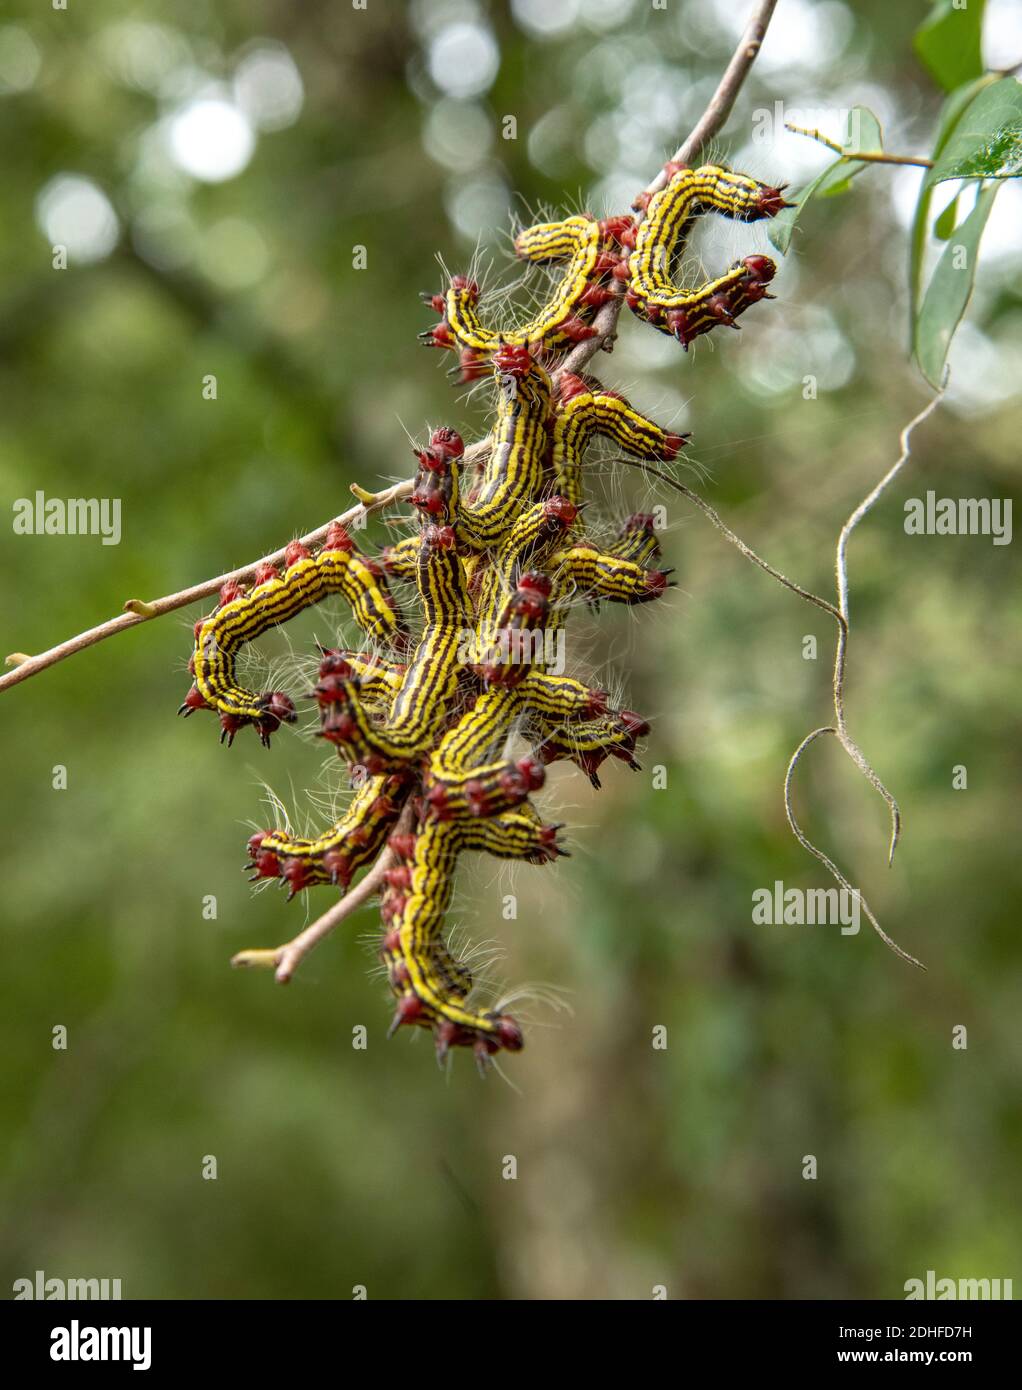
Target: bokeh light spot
[[20, 60], [268, 86], [211, 139], [74, 212], [463, 59]]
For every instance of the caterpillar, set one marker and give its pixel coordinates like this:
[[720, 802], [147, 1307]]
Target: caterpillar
[[601, 257], [245, 615], [401, 560], [586, 410], [514, 468], [637, 539], [378, 680], [510, 599], [425, 717], [430, 987], [652, 291], [429, 684], [334, 856], [593, 254], [584, 569], [589, 742]]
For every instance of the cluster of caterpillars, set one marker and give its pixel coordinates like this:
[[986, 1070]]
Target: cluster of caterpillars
[[602, 259], [424, 722]]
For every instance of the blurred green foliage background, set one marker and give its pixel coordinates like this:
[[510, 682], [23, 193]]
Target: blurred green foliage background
[[210, 168]]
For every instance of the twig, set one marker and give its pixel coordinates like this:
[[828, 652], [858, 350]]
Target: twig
[[139, 611], [709, 123], [868, 502], [717, 520], [840, 732], [865, 156], [284, 960]]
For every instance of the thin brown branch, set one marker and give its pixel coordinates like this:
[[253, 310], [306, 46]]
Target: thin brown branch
[[841, 572], [138, 610], [825, 859], [141, 611], [721, 103], [840, 665], [717, 520], [709, 124]]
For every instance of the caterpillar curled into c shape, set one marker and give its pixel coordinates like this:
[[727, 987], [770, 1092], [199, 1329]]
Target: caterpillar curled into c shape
[[653, 293]]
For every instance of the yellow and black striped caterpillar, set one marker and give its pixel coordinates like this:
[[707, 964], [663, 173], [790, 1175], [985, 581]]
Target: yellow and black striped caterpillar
[[653, 292], [592, 254], [427, 719], [243, 615]]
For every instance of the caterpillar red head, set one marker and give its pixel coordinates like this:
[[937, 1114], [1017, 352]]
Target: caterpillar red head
[[335, 678], [436, 484], [770, 201], [531, 599], [760, 270], [507, 1035], [447, 443], [512, 359]]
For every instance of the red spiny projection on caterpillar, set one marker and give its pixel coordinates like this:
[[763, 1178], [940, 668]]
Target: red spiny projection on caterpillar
[[425, 720]]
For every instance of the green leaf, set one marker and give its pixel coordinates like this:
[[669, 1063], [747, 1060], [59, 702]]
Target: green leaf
[[950, 290], [834, 190], [865, 136], [951, 113], [987, 140], [949, 43], [943, 228]]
